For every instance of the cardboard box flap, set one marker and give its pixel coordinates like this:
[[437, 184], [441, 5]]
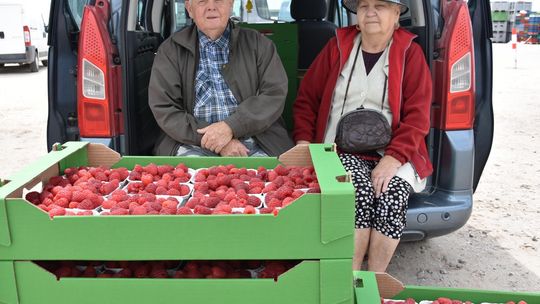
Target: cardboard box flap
[[389, 286], [298, 155], [101, 155], [8, 292]]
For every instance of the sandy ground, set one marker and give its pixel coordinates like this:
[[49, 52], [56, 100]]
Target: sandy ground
[[498, 249]]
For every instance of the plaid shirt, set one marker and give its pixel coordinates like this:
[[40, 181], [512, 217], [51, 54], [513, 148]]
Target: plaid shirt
[[214, 100]]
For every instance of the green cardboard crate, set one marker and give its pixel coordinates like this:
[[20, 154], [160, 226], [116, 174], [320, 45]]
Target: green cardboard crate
[[310, 282], [316, 226], [499, 16], [370, 287]]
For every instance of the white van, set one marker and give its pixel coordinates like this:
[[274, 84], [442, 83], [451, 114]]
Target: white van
[[23, 36]]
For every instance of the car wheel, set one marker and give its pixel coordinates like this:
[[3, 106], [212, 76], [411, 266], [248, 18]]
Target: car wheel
[[34, 65], [44, 62]]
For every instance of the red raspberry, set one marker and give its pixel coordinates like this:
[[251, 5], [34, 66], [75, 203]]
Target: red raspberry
[[178, 274], [202, 210], [236, 203], [254, 201], [151, 169], [86, 204], [101, 176], [44, 207], [218, 273], [119, 211], [255, 190], [184, 211], [33, 197], [169, 204], [63, 193], [141, 270], [161, 190], [173, 192], [274, 202], [167, 211], [55, 180], [57, 211], [223, 209], [147, 179], [124, 273], [211, 202], [287, 201], [85, 213], [151, 188], [139, 210], [266, 210], [135, 175], [78, 196], [162, 169], [62, 202], [193, 202], [108, 204], [250, 210]]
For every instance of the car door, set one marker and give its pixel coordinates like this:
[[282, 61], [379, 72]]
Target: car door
[[64, 22], [483, 121]]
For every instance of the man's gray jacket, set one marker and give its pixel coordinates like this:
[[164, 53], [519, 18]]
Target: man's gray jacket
[[254, 74]]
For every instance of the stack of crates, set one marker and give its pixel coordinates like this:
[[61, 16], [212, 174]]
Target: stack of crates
[[500, 17], [533, 32], [316, 230]]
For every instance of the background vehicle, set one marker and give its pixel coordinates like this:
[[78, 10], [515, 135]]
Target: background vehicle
[[23, 35], [101, 58]]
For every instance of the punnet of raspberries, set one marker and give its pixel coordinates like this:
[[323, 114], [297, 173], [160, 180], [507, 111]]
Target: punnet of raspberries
[[249, 269], [441, 301], [173, 190]]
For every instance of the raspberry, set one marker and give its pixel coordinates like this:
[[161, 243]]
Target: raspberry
[[161, 190], [55, 180], [274, 202], [162, 169], [135, 175], [236, 203], [147, 179], [78, 196], [139, 210], [266, 210], [223, 209], [62, 202], [151, 188], [119, 211], [107, 188], [213, 184], [63, 193], [169, 204], [86, 204], [184, 211], [173, 192], [85, 213], [101, 176], [254, 201], [57, 211], [63, 272], [33, 197], [287, 201], [44, 207], [119, 195], [202, 210], [178, 274], [124, 273], [211, 202], [151, 169], [250, 210], [168, 211], [297, 193], [218, 272], [141, 270], [255, 190], [193, 202]]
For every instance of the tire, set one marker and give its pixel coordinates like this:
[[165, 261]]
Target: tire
[[1, 65], [34, 65], [45, 62]]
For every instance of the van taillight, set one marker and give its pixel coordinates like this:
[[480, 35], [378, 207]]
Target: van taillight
[[97, 103], [27, 38], [459, 104]]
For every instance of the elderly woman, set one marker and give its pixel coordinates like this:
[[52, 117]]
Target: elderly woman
[[375, 65]]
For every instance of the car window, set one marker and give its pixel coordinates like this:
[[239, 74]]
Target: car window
[[180, 13], [76, 8], [341, 18]]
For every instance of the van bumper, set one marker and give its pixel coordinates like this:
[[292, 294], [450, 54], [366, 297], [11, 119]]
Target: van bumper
[[26, 57]]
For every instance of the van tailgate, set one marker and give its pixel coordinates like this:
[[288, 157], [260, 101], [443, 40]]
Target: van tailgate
[[11, 29]]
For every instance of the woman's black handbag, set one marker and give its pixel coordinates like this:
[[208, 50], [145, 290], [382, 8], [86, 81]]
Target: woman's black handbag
[[362, 130]]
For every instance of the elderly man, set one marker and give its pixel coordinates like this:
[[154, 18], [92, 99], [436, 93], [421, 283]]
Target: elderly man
[[218, 89]]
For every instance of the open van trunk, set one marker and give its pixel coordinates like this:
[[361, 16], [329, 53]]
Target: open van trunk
[[135, 29]]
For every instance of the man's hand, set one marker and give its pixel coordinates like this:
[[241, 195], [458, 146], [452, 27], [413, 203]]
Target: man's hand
[[234, 148], [215, 136], [302, 142], [385, 170]]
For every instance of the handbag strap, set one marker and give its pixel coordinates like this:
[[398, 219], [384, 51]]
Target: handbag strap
[[349, 83]]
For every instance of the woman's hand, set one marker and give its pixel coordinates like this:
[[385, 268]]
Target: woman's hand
[[302, 142], [385, 170]]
